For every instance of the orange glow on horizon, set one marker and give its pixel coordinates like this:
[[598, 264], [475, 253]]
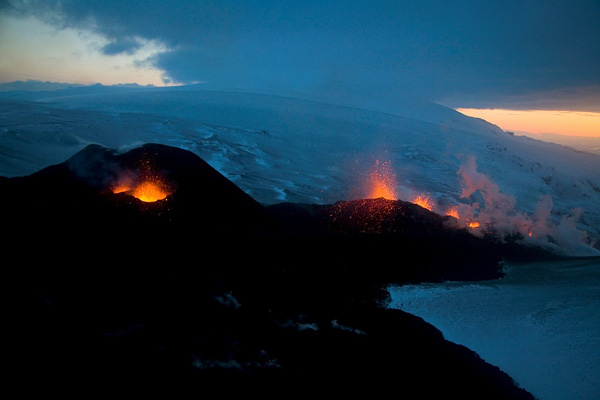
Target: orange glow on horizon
[[569, 123]]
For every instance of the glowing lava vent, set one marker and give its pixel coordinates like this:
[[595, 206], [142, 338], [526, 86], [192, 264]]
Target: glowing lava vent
[[453, 212], [424, 201], [147, 190], [382, 181]]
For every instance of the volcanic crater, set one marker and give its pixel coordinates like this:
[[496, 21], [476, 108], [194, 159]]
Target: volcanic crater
[[202, 285]]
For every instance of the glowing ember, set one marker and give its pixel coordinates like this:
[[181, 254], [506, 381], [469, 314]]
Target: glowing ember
[[121, 189], [367, 215], [149, 191], [452, 212], [473, 224], [382, 181], [424, 202]]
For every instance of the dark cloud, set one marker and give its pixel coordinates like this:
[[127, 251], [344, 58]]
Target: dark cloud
[[128, 46], [575, 98], [483, 51]]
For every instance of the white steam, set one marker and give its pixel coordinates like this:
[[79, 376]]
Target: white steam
[[496, 212]]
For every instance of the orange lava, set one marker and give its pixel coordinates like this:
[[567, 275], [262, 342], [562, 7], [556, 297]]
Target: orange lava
[[452, 212], [424, 202], [382, 182], [122, 188], [149, 191]]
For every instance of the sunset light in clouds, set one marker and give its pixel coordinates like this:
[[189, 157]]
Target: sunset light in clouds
[[32, 49], [570, 123]]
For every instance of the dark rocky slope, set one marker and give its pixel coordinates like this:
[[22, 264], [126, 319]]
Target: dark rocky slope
[[208, 290]]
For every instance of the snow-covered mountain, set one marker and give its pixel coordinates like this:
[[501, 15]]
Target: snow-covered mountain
[[311, 150]]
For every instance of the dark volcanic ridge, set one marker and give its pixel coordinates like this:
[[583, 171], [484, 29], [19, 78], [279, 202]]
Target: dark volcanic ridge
[[208, 288]]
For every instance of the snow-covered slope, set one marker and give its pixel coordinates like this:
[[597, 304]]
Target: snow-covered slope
[[303, 150]]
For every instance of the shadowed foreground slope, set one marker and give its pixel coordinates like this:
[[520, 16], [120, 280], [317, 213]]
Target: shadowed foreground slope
[[207, 289]]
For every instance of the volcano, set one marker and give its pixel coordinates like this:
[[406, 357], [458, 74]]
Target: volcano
[[203, 287], [95, 177]]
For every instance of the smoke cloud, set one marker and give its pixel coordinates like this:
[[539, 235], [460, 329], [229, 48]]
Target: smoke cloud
[[496, 212]]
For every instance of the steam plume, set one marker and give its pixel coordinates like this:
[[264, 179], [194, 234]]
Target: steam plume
[[498, 214]]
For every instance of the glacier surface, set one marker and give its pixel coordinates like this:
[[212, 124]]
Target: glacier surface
[[308, 150], [540, 324]]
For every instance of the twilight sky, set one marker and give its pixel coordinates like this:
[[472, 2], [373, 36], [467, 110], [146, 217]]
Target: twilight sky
[[469, 54]]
